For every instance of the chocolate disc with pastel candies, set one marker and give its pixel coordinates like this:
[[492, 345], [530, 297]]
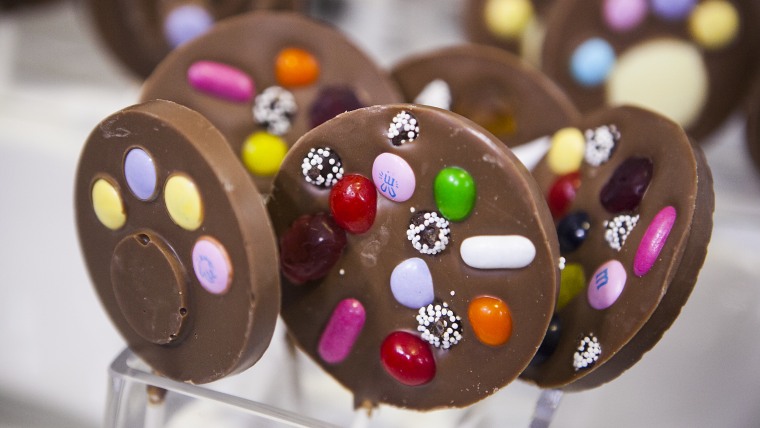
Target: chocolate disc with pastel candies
[[753, 123], [177, 242], [690, 60], [419, 260], [493, 88], [632, 201], [140, 33], [293, 74]]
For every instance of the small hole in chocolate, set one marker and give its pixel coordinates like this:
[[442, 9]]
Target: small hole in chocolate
[[183, 311], [144, 239]]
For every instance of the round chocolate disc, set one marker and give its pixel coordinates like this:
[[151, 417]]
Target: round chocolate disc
[[290, 74], [690, 61], [632, 200], [177, 242], [491, 87], [419, 263]]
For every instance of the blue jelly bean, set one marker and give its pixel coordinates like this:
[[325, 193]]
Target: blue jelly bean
[[673, 10], [592, 61]]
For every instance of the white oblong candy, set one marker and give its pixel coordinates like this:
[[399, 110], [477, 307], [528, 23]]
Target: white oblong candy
[[497, 252]]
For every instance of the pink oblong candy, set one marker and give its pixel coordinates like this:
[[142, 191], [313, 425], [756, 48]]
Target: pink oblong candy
[[220, 80], [654, 240], [624, 15], [393, 177], [342, 330], [606, 285]]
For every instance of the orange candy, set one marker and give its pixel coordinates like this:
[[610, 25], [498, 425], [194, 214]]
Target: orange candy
[[296, 67], [491, 320]]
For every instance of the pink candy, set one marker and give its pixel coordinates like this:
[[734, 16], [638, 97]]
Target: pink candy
[[342, 330], [220, 80], [654, 240]]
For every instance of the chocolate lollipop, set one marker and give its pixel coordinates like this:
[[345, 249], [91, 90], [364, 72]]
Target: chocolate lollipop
[[177, 242], [142, 32], [632, 200], [491, 87], [689, 60], [419, 260], [264, 79]]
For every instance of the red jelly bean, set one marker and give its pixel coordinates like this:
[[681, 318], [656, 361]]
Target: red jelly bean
[[562, 193], [353, 203], [626, 187], [407, 358], [310, 248]]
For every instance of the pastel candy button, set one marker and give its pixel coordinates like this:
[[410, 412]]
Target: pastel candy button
[[714, 23], [140, 173], [653, 241], [455, 193], [508, 18], [592, 61], [606, 284], [497, 252], [107, 203], [673, 10], [412, 284], [186, 22], [212, 265], [183, 201], [624, 15], [342, 330], [221, 81], [568, 147], [393, 177]]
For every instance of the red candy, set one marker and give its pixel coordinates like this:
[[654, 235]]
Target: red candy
[[310, 248], [353, 203], [407, 358], [562, 193]]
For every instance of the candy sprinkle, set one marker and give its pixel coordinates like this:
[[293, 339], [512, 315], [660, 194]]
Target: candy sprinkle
[[322, 167], [618, 229], [403, 129], [274, 109], [429, 232], [439, 325], [587, 353], [600, 143]]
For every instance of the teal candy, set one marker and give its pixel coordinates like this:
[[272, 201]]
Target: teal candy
[[454, 190]]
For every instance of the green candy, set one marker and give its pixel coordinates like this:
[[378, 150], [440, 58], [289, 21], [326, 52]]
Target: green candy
[[454, 190], [572, 282]]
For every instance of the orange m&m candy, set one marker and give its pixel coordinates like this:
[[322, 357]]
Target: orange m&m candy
[[491, 320], [296, 67]]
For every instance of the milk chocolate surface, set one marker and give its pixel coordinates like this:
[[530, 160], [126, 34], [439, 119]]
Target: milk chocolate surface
[[491, 87], [177, 242], [634, 238], [136, 30], [690, 61], [251, 44], [384, 297]]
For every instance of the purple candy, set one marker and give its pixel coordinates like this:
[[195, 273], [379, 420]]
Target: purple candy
[[342, 330], [221, 81], [140, 173], [673, 10], [624, 15], [185, 23], [654, 240]]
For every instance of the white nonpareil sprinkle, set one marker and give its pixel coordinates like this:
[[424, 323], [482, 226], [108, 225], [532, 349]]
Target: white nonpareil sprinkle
[[618, 229], [403, 128], [274, 108], [439, 325], [600, 143], [587, 353]]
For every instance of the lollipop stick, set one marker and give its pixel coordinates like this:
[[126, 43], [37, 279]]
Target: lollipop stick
[[546, 406]]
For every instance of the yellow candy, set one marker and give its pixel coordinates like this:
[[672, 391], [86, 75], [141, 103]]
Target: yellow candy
[[508, 18], [566, 152], [714, 23], [108, 205], [263, 153], [572, 282], [183, 201]]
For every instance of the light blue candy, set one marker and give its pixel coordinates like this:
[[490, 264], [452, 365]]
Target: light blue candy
[[412, 284], [185, 23], [140, 173], [592, 62]]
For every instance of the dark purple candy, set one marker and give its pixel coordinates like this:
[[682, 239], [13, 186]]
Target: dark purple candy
[[572, 231], [310, 247], [626, 187], [550, 342], [332, 101]]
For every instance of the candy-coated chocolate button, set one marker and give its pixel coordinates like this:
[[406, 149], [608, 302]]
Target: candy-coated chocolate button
[[508, 18], [627, 185], [393, 177], [624, 15], [221, 81], [497, 251], [310, 247], [186, 22], [341, 332], [714, 23], [412, 283], [567, 149], [296, 67], [263, 153], [455, 193], [654, 240], [183, 201], [353, 203], [592, 61], [491, 320], [407, 358], [107, 203], [673, 10], [140, 173], [562, 193], [606, 284], [212, 265], [572, 282]]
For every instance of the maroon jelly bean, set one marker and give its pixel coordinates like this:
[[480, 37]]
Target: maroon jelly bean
[[626, 187], [310, 247]]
